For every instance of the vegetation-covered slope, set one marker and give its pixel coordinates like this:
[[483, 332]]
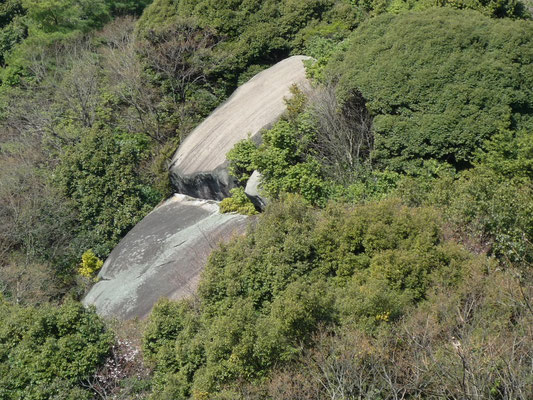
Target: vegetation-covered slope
[[263, 296], [46, 352], [439, 84], [395, 259], [420, 107], [367, 288]]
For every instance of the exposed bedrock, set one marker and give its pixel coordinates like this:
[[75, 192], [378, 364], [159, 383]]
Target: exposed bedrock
[[162, 256], [199, 166]]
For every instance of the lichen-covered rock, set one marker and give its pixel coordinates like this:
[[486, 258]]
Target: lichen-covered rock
[[162, 256], [199, 167]]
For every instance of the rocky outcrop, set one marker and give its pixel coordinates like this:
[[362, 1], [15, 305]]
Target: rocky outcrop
[[162, 256], [199, 167]]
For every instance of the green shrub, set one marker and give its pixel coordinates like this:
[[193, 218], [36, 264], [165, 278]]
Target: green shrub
[[48, 351], [90, 265], [12, 27], [240, 159], [495, 211], [489, 207], [492, 8], [127, 7], [66, 15], [166, 321], [510, 154], [101, 175], [238, 202], [439, 83]]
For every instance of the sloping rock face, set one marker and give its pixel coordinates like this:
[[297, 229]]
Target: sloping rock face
[[199, 167], [162, 256]]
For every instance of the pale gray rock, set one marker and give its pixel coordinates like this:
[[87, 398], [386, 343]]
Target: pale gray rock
[[253, 190], [199, 166], [162, 256]]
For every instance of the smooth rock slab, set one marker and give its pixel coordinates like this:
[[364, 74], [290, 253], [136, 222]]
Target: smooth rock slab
[[199, 167], [162, 256]]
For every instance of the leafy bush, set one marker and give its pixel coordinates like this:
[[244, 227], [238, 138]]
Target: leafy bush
[[285, 164], [48, 351], [66, 15], [493, 8], [238, 202], [495, 211], [240, 157], [128, 7], [510, 154], [263, 296], [90, 265], [439, 83], [12, 27], [101, 175], [285, 156]]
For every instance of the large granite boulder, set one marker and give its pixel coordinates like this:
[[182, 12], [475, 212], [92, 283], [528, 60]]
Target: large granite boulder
[[162, 256], [199, 167]]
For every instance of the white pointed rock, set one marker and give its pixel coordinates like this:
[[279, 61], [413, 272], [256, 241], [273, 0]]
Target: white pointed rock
[[253, 191]]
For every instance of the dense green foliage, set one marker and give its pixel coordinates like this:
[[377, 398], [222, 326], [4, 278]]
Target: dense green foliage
[[238, 202], [251, 35], [264, 295], [420, 104], [491, 210], [26, 25], [493, 8], [100, 174], [462, 340], [48, 351], [394, 259], [12, 27], [439, 83]]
